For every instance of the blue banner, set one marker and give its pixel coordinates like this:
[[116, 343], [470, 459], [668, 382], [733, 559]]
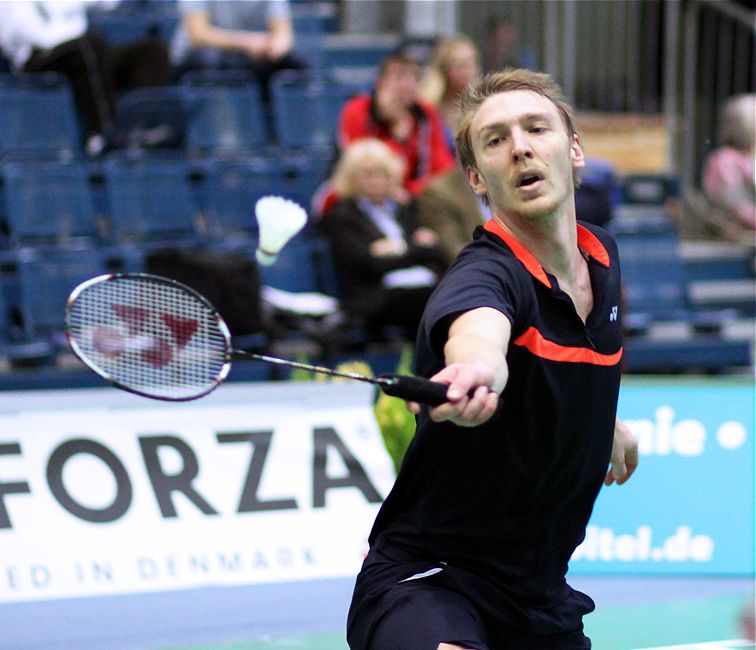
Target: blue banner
[[689, 508]]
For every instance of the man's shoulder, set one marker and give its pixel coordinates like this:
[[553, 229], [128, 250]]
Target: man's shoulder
[[486, 255], [604, 236]]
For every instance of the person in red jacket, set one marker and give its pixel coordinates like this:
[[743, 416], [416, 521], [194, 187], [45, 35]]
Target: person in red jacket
[[394, 114]]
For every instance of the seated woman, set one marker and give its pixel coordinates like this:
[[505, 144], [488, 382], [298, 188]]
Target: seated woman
[[388, 265], [729, 175]]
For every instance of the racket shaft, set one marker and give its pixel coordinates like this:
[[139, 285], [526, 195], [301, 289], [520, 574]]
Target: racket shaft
[[410, 388], [305, 366]]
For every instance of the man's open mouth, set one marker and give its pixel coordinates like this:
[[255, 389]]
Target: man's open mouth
[[526, 179]]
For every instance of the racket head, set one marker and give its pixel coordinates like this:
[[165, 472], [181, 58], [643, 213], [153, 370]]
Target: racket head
[[149, 335]]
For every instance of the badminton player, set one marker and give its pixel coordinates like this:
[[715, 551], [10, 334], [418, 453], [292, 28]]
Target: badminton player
[[470, 548]]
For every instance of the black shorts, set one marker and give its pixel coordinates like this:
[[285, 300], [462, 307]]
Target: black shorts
[[416, 606]]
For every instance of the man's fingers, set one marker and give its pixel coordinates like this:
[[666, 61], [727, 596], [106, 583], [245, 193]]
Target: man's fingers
[[618, 469], [469, 411], [630, 467]]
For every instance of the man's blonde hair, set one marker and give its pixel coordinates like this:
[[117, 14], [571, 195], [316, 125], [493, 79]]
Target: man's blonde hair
[[363, 153], [499, 82]]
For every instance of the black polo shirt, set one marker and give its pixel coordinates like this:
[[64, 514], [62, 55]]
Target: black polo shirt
[[504, 505]]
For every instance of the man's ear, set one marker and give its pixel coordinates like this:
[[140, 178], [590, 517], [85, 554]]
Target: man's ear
[[476, 181], [576, 151]]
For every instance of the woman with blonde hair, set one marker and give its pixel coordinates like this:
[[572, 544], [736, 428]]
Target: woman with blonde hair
[[455, 62], [729, 175], [388, 265]]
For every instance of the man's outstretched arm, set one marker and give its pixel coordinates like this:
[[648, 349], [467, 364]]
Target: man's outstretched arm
[[476, 367]]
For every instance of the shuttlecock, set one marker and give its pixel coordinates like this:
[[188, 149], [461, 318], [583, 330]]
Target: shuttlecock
[[278, 220]]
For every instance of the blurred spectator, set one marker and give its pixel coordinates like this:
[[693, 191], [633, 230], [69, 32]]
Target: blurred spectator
[[388, 265], [728, 180], [748, 621], [255, 35], [54, 36], [455, 62], [596, 192], [502, 47], [408, 125], [449, 208]]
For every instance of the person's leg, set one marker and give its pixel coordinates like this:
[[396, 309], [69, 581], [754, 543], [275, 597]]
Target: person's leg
[[421, 616], [85, 62], [140, 64], [511, 639]]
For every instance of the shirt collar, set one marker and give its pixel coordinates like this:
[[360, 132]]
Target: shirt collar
[[587, 241]]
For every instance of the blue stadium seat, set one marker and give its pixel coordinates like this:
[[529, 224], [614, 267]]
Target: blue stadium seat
[[48, 202], [300, 266], [37, 116], [296, 290], [153, 119], [309, 34], [306, 109], [43, 282], [13, 345], [229, 118], [648, 189], [664, 331], [655, 284], [230, 189], [151, 201], [134, 20]]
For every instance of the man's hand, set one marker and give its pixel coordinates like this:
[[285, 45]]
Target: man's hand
[[386, 247], [470, 400], [255, 44], [624, 455], [425, 237]]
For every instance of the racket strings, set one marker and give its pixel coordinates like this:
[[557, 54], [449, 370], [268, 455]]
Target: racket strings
[[151, 337]]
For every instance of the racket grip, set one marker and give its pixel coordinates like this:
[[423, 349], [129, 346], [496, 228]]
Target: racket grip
[[415, 389]]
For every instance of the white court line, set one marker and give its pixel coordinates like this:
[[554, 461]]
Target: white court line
[[710, 645]]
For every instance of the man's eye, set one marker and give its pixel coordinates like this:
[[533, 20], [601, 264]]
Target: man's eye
[[537, 129], [492, 142]]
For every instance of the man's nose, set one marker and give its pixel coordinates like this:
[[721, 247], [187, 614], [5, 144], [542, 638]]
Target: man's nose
[[520, 146]]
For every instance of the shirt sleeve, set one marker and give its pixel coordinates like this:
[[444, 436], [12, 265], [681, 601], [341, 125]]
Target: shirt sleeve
[[352, 122], [474, 281], [24, 27]]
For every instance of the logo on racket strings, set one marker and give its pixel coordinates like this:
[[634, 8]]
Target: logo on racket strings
[[156, 338]]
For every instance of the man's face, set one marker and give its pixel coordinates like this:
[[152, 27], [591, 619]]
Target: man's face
[[399, 83], [525, 158]]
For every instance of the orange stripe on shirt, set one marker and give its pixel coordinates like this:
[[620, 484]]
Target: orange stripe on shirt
[[533, 341]]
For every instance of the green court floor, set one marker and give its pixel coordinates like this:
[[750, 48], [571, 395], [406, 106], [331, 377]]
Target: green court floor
[[696, 623]]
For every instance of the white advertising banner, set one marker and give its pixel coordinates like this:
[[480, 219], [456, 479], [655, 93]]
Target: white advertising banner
[[102, 492]]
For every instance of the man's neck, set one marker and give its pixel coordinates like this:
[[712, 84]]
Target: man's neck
[[552, 239]]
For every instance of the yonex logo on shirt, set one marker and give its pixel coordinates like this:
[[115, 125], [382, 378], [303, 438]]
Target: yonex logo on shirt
[[613, 313]]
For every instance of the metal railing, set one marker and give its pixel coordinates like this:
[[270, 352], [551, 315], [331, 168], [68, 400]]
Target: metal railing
[[676, 58]]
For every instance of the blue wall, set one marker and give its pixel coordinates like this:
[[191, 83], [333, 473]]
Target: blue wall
[[689, 508]]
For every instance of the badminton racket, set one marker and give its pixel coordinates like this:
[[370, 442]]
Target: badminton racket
[[158, 338]]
